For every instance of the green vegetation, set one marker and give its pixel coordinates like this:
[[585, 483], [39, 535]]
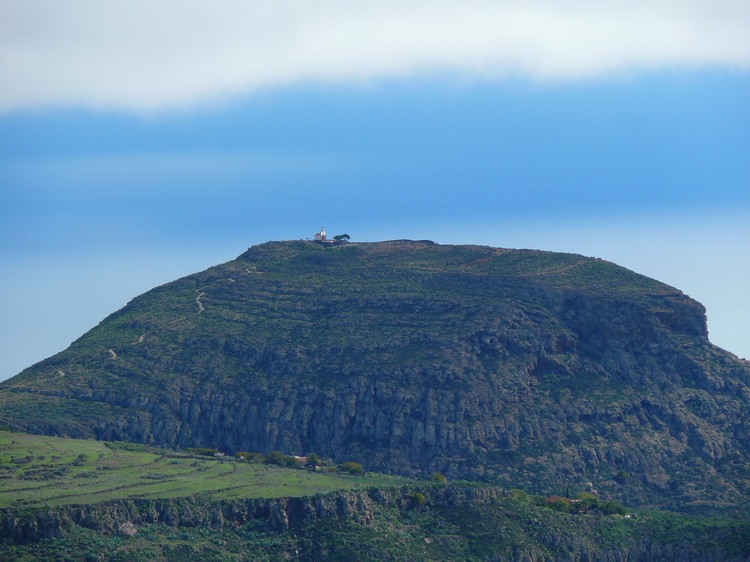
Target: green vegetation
[[410, 524], [314, 461], [352, 467], [50, 471], [583, 503], [250, 457], [280, 459], [204, 451], [532, 370], [116, 502]]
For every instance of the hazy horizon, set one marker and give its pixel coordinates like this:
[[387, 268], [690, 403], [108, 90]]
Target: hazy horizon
[[136, 147]]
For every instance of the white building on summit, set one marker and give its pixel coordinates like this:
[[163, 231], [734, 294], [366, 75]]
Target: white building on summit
[[321, 236]]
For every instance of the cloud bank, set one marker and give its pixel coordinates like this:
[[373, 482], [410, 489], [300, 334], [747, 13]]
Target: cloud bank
[[152, 55]]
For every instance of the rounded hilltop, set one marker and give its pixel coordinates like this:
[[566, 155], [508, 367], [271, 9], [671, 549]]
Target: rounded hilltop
[[522, 367]]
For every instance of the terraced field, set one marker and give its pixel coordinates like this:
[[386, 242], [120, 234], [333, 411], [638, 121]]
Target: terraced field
[[49, 471]]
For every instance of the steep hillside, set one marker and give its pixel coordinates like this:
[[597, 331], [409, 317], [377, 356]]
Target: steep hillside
[[542, 371]]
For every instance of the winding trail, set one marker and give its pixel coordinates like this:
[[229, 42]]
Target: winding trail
[[112, 353], [30, 384], [559, 271]]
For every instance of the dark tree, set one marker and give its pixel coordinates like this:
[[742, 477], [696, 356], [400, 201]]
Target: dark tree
[[314, 461], [352, 468]]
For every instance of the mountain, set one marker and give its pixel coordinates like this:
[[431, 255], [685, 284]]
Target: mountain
[[543, 371]]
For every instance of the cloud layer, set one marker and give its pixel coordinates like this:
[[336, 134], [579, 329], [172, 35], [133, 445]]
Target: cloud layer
[[161, 54]]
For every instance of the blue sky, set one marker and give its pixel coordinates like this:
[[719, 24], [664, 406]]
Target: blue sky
[[122, 168]]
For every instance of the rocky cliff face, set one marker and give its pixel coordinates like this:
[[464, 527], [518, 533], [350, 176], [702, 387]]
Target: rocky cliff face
[[432, 523], [536, 370], [118, 517]]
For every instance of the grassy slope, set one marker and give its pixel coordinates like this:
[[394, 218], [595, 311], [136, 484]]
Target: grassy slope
[[50, 471], [392, 305], [305, 295]]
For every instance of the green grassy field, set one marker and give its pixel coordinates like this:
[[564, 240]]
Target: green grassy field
[[48, 471]]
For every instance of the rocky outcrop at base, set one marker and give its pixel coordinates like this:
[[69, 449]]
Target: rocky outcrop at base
[[532, 534]]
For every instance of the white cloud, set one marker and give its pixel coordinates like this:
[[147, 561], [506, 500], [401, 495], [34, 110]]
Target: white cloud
[[157, 54]]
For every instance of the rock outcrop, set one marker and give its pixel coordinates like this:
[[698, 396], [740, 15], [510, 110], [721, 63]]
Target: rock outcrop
[[482, 523]]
